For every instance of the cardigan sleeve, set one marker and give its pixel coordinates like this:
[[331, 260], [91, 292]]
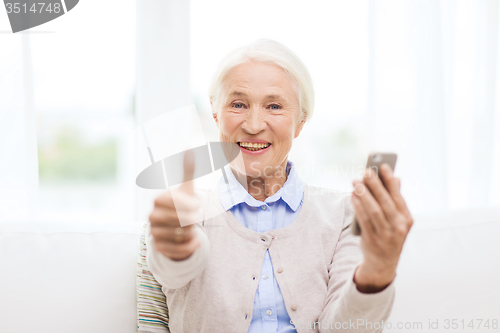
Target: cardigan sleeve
[[345, 306], [173, 274]]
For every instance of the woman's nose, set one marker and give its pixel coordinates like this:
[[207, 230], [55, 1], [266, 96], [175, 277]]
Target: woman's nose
[[255, 122]]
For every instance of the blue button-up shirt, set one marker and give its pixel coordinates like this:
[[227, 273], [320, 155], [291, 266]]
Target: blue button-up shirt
[[277, 211]]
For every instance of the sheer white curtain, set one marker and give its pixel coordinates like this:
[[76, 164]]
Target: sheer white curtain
[[163, 78], [434, 94], [67, 76], [434, 98], [18, 151]]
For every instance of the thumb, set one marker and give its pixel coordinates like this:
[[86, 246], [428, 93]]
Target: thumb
[[187, 183]]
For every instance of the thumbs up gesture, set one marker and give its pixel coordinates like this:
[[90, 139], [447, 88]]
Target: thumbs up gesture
[[173, 217]]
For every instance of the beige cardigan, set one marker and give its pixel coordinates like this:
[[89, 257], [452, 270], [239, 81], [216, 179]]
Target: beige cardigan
[[314, 259]]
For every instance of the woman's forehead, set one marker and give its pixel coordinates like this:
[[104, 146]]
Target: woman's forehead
[[268, 81]]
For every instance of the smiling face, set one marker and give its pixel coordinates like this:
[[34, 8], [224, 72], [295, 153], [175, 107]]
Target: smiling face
[[260, 111]]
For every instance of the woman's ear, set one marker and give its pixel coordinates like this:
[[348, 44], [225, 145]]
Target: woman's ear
[[300, 125], [299, 128], [214, 114]]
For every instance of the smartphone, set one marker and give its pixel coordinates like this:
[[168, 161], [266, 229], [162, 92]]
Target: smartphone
[[375, 160]]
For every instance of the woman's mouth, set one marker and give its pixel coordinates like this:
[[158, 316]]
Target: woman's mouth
[[253, 146]]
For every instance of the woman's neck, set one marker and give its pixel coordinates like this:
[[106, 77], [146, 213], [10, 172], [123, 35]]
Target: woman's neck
[[263, 187]]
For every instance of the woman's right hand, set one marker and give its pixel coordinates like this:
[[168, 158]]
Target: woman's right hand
[[173, 240]]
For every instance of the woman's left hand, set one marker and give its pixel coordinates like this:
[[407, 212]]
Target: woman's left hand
[[385, 221]]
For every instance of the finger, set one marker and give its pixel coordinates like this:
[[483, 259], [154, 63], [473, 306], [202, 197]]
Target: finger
[[375, 213], [187, 183], [164, 217], [393, 185], [175, 218], [178, 250], [383, 197], [361, 215], [171, 237], [164, 200], [169, 234]]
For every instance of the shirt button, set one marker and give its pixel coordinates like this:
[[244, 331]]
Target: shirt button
[[265, 277], [264, 207], [269, 312], [294, 307], [280, 269]]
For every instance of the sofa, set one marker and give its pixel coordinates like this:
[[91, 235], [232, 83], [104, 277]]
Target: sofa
[[81, 277]]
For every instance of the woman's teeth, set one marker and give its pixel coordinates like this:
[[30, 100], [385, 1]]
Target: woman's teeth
[[254, 146]]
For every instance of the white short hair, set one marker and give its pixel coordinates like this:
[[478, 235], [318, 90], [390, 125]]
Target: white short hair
[[271, 52]]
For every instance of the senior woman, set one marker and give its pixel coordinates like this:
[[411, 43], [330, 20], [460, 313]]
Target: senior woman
[[279, 256]]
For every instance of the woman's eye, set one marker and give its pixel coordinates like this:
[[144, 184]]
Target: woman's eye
[[238, 105], [275, 107]]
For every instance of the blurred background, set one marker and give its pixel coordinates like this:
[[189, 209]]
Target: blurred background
[[420, 78]]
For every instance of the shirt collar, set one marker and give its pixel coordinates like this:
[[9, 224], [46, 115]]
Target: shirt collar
[[233, 193]]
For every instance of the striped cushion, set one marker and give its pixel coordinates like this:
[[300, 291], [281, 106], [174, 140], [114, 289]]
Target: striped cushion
[[152, 310]]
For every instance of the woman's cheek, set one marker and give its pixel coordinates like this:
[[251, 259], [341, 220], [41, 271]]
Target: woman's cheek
[[279, 153], [224, 132], [228, 126]]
